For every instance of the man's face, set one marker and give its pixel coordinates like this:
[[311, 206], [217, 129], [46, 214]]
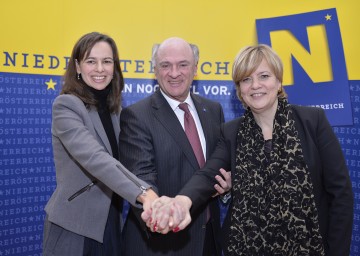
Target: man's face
[[175, 68]]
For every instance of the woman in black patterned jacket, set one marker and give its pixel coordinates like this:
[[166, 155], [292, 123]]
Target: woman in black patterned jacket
[[291, 191]]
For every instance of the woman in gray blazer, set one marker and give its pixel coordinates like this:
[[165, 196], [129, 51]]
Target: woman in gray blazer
[[83, 216]]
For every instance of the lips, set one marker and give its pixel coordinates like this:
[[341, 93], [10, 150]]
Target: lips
[[257, 94], [175, 82], [98, 78]]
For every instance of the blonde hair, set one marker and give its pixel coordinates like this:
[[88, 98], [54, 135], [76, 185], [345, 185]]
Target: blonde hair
[[249, 59]]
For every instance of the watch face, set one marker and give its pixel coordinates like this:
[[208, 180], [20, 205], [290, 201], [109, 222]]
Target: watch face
[[226, 197]]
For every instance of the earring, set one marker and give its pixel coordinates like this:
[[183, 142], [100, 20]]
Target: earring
[[78, 76]]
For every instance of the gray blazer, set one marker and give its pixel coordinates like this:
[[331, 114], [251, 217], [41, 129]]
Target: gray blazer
[[86, 172]]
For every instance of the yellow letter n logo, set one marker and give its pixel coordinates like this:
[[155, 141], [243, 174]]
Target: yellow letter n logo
[[316, 62], [311, 49]]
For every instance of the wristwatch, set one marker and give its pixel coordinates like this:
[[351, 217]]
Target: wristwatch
[[225, 198]]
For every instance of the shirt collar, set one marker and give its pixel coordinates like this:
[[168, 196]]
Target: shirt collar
[[175, 104]]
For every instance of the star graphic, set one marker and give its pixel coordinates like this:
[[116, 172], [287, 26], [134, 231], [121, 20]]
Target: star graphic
[[328, 17], [51, 84]]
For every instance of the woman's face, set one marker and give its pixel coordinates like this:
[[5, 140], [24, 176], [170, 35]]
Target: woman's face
[[98, 68], [259, 90]]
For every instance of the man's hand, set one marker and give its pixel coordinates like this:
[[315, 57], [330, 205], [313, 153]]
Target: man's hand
[[224, 186]]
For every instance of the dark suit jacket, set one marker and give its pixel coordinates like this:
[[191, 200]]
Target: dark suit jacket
[[154, 146], [324, 158]]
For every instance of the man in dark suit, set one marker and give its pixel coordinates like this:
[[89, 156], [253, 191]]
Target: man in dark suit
[[154, 146]]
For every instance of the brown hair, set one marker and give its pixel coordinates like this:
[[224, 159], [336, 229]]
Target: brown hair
[[77, 87]]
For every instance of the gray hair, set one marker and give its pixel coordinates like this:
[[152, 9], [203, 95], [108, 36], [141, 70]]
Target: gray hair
[[155, 49]]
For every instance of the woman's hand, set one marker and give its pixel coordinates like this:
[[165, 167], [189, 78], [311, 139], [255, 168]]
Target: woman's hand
[[168, 214]]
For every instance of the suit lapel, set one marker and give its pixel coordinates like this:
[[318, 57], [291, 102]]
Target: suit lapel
[[168, 119], [99, 128]]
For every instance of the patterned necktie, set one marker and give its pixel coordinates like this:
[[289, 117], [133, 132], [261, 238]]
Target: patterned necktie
[[192, 134]]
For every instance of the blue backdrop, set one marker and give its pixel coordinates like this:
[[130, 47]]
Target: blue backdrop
[[27, 175]]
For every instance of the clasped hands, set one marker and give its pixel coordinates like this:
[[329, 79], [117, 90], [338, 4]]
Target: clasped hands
[[173, 214]]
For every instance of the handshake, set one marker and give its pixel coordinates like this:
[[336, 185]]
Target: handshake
[[168, 214], [164, 214]]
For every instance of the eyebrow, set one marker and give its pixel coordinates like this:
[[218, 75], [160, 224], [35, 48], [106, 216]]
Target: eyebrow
[[100, 58], [262, 72], [169, 62]]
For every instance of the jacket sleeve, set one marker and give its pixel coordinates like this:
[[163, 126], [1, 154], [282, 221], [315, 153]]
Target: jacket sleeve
[[71, 125], [137, 153], [200, 187], [136, 147], [337, 185]]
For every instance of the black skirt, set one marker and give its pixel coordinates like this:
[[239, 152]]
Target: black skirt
[[112, 235]]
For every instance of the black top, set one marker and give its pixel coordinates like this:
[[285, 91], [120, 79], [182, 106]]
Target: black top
[[112, 233], [267, 149], [104, 114]]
